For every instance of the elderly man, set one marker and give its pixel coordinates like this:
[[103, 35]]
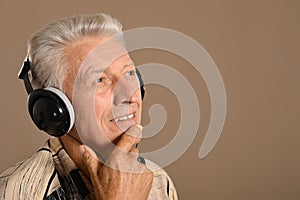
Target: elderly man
[[85, 91]]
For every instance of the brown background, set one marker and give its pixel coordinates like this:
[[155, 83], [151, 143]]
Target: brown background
[[255, 44]]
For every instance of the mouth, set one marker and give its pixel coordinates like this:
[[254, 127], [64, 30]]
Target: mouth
[[123, 118], [121, 121]]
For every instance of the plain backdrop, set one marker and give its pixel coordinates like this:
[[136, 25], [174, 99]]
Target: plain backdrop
[[255, 45]]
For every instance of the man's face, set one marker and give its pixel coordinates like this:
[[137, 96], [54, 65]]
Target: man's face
[[117, 98], [103, 88]]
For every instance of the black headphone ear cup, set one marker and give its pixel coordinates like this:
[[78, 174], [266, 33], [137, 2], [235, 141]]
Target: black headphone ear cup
[[141, 83], [51, 111]]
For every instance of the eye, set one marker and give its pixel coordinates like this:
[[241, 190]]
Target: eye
[[99, 80], [130, 73]]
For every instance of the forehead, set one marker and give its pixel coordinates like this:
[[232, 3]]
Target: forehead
[[94, 53]]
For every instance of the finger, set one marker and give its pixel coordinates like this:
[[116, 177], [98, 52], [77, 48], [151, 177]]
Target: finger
[[132, 136], [134, 150], [90, 158], [134, 153]]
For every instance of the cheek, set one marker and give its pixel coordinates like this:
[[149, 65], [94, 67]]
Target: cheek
[[102, 106], [102, 109]]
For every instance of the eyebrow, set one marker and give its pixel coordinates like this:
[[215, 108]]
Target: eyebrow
[[128, 64], [103, 70]]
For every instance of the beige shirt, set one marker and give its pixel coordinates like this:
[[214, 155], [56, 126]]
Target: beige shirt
[[51, 174]]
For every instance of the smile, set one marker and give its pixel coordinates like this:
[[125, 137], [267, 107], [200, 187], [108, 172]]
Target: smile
[[124, 118]]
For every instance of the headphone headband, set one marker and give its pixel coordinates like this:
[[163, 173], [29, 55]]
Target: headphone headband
[[23, 74]]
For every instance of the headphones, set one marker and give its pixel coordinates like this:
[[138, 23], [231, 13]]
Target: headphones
[[49, 108]]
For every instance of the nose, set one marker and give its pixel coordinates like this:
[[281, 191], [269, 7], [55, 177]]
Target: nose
[[124, 92]]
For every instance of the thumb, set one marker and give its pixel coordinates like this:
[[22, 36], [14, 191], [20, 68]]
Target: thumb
[[90, 159]]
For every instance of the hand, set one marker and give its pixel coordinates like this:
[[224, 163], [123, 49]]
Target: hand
[[121, 176]]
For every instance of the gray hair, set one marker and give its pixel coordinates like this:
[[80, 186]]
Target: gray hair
[[45, 47]]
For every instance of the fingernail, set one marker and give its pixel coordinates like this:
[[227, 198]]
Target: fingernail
[[139, 127], [135, 130]]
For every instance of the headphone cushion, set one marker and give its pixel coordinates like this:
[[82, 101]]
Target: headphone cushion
[[141, 83], [51, 111]]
